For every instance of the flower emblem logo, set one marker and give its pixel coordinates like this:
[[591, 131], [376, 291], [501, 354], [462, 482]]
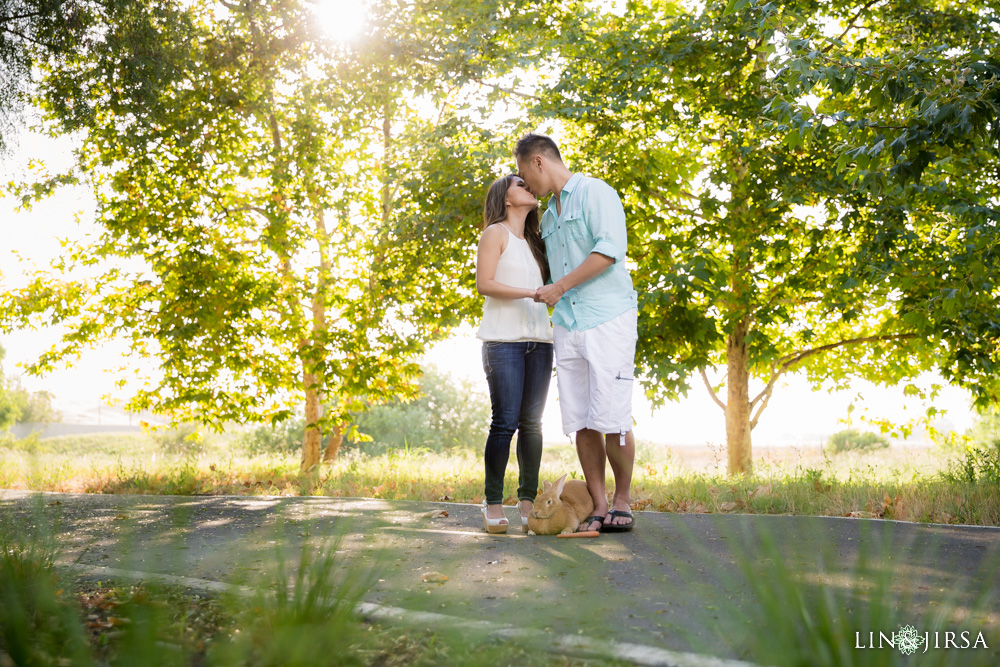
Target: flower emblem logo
[[908, 640]]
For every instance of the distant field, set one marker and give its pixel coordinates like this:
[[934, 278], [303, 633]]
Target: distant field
[[904, 483]]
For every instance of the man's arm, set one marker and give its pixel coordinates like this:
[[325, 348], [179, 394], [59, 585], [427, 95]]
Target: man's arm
[[593, 266], [606, 218]]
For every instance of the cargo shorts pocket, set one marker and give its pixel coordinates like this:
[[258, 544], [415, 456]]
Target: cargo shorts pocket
[[622, 385]]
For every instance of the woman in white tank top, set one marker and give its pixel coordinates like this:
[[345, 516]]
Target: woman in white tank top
[[517, 342]]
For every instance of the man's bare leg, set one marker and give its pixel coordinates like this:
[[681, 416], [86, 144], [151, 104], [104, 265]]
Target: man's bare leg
[[590, 450], [622, 460]]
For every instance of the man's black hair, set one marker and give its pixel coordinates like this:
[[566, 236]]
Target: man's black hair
[[531, 144]]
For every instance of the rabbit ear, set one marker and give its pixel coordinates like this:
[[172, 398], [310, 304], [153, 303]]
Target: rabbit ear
[[546, 485], [560, 483]]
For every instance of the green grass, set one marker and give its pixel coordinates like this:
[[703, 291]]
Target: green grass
[[924, 485]]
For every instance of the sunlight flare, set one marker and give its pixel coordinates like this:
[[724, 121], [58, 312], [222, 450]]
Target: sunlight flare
[[340, 20]]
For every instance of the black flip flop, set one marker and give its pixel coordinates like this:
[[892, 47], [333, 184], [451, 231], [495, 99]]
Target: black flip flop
[[619, 528], [592, 519]]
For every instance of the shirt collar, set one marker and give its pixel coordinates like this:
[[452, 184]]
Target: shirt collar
[[573, 181]]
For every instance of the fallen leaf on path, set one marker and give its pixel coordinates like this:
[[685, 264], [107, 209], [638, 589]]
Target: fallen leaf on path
[[861, 515], [434, 514], [641, 504], [433, 578], [728, 507]]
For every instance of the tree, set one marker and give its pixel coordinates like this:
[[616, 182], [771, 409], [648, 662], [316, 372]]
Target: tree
[[762, 243], [266, 202], [32, 406], [33, 31], [10, 412], [18, 405]]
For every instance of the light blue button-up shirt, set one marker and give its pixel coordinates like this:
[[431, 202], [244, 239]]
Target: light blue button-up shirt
[[592, 220]]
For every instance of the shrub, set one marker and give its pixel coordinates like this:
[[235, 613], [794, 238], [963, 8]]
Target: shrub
[[279, 439], [30, 444], [985, 432], [979, 463], [852, 439], [449, 413], [185, 439]]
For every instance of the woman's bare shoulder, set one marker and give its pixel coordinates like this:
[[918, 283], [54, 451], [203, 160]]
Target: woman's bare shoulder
[[494, 233]]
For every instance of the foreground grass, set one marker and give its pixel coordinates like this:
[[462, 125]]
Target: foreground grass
[[907, 485], [306, 617], [195, 629], [301, 612]]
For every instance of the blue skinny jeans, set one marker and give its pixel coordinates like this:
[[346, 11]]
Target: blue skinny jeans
[[518, 375]]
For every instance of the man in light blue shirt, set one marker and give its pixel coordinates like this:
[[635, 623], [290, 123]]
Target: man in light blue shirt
[[594, 321]]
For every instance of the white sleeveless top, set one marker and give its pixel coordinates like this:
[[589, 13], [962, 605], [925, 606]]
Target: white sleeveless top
[[516, 319]]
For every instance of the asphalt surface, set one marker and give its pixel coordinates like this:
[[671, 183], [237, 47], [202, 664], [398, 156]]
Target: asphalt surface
[[681, 582]]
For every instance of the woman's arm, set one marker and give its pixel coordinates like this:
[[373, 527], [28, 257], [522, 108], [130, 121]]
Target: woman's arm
[[487, 257]]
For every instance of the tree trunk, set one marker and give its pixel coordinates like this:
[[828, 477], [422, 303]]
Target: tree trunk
[[312, 437], [738, 405], [333, 444], [386, 182]]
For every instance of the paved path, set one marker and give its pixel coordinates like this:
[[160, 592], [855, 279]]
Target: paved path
[[676, 583]]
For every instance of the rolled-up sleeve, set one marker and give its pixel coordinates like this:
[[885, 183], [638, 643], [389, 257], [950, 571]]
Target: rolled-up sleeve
[[606, 219]]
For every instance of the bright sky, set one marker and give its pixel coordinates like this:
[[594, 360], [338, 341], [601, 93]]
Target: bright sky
[[30, 240]]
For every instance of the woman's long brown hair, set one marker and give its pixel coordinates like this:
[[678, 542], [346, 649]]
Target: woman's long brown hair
[[495, 210]]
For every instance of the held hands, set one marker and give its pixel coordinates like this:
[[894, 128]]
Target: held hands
[[550, 294]]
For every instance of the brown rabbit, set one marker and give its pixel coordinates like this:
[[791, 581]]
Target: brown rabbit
[[560, 507]]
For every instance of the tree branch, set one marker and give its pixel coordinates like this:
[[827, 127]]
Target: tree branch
[[25, 37], [246, 207], [430, 60], [228, 211], [851, 25], [867, 125], [790, 360], [676, 209], [711, 391], [765, 394], [760, 410], [18, 17], [504, 89]]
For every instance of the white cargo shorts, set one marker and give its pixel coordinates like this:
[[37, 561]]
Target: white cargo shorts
[[595, 371]]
